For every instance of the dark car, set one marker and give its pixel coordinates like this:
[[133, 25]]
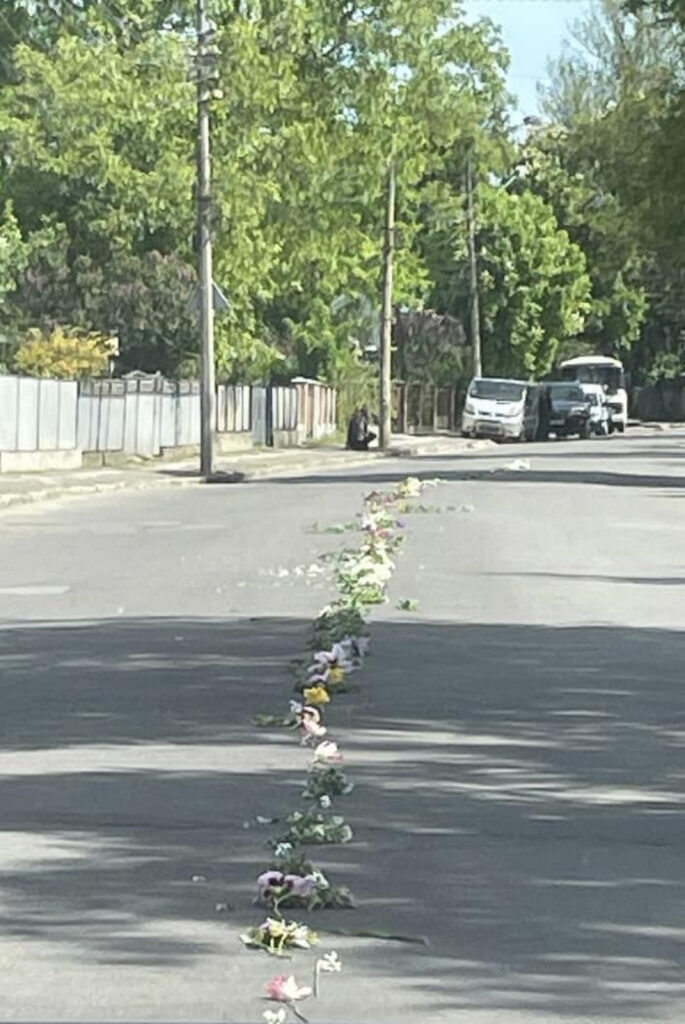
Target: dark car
[[569, 410]]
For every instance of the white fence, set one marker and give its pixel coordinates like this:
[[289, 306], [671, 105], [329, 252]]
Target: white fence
[[148, 415], [37, 415]]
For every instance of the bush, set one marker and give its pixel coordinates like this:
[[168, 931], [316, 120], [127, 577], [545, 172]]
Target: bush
[[360, 387], [64, 352]]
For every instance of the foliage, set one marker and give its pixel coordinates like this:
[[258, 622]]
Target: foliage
[[620, 102], [143, 300], [313, 827], [13, 254], [326, 780], [666, 366], [244, 359], [430, 347], [319, 95], [63, 353], [593, 220], [534, 288], [357, 388]]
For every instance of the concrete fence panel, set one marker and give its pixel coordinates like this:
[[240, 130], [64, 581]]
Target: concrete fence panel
[[28, 405], [37, 415], [234, 409], [145, 416], [67, 414], [9, 413]]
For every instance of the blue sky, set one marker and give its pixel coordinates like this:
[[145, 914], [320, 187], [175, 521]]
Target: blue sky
[[533, 31]]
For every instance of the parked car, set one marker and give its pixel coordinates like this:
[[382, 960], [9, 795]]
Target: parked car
[[601, 421], [569, 410], [501, 409]]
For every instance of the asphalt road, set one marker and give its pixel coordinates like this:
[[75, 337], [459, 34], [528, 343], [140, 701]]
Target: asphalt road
[[516, 745]]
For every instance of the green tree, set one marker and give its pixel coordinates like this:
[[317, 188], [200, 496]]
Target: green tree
[[13, 253], [621, 103], [535, 291], [594, 221], [319, 97]]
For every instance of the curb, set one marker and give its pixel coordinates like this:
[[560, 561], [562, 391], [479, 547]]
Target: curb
[[234, 476], [83, 490], [449, 447]]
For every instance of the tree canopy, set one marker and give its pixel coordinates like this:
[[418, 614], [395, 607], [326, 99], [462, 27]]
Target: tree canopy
[[582, 248], [618, 103], [317, 99]]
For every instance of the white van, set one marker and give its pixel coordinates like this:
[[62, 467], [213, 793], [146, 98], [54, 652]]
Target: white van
[[609, 373], [500, 408]]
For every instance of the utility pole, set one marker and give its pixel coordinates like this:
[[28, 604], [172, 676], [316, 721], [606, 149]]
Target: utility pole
[[473, 272], [385, 419], [204, 216]]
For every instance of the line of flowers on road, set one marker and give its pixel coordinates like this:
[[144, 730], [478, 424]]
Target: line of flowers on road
[[339, 645]]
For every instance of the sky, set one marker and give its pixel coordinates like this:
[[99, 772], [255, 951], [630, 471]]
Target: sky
[[533, 31]]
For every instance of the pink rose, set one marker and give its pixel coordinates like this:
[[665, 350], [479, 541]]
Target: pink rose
[[284, 989]]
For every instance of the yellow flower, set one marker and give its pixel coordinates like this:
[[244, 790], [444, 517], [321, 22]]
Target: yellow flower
[[276, 929], [316, 695], [335, 675]]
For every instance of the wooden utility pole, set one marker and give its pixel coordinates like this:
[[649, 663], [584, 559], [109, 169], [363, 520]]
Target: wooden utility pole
[[473, 272], [204, 217], [385, 418]]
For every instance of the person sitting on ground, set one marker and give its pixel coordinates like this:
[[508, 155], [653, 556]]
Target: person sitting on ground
[[359, 437]]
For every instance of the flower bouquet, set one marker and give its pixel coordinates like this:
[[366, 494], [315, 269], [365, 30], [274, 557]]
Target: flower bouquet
[[277, 937], [336, 622], [326, 780], [316, 828], [308, 892], [266, 721], [310, 721]]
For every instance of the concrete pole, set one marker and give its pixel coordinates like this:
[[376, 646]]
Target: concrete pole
[[205, 272], [385, 418]]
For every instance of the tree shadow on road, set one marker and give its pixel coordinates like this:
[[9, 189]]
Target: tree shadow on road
[[518, 802], [557, 475]]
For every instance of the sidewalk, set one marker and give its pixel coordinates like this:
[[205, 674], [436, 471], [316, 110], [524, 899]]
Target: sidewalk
[[21, 488]]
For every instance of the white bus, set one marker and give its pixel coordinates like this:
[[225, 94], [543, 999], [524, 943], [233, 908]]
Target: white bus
[[605, 371]]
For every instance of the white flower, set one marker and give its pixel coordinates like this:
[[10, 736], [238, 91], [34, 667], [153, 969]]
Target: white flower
[[322, 658], [363, 643], [328, 752], [286, 990], [283, 850], [412, 487], [312, 730], [342, 656], [325, 802], [300, 937], [276, 1016], [320, 879], [330, 963]]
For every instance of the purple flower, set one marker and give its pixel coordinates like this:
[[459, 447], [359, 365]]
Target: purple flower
[[301, 885], [269, 880], [296, 885]]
